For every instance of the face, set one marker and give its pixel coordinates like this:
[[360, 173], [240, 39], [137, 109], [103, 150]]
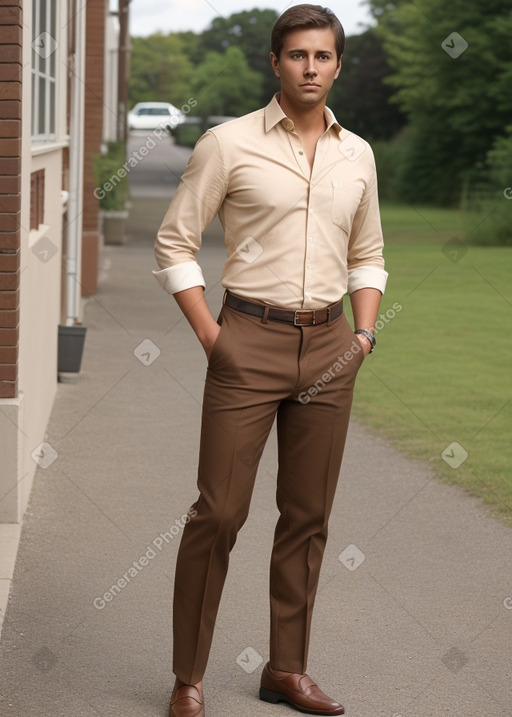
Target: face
[[307, 66]]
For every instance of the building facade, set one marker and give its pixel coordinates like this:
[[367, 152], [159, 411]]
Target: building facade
[[52, 65]]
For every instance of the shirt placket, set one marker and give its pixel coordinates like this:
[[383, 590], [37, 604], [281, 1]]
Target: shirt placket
[[311, 228], [309, 259]]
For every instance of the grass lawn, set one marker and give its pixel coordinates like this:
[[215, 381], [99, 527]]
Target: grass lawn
[[441, 373]]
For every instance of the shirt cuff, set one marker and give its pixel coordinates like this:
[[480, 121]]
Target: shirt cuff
[[367, 277], [180, 277]]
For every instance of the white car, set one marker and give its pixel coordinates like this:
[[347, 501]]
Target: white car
[[151, 115]]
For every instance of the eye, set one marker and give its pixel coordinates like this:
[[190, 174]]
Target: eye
[[297, 56]]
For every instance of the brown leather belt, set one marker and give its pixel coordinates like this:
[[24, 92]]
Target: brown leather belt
[[301, 317]]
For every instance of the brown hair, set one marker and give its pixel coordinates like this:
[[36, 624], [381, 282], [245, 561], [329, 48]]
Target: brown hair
[[302, 17]]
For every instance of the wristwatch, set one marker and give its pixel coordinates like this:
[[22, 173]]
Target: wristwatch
[[371, 338]]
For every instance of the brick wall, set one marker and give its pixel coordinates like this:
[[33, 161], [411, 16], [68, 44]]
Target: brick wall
[[10, 188]]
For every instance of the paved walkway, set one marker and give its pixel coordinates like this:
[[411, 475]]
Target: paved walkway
[[411, 617]]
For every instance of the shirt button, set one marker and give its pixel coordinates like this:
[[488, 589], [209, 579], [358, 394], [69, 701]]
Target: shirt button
[[300, 152], [288, 125]]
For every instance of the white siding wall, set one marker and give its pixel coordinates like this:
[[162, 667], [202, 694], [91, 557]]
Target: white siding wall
[[23, 420]]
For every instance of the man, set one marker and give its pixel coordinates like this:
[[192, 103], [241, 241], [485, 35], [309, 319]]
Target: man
[[297, 197]]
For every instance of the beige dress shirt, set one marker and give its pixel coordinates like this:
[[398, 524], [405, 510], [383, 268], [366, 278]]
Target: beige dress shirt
[[295, 237]]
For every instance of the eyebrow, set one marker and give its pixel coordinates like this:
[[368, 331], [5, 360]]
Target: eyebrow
[[320, 52]]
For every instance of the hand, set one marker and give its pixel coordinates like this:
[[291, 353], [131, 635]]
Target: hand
[[210, 339], [365, 344]]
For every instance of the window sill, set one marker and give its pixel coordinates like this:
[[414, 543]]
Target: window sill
[[47, 147], [35, 235]]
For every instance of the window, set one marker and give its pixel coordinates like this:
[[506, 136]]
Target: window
[[44, 69], [152, 111], [36, 199]]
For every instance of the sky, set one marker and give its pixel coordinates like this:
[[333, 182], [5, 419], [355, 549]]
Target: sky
[[149, 16]]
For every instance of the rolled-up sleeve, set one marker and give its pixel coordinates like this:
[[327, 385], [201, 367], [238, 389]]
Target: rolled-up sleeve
[[194, 206], [365, 262]]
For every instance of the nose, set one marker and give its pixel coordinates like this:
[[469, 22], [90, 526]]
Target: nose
[[311, 70]]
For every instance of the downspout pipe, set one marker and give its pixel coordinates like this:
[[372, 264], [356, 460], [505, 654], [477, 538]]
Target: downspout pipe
[[76, 171]]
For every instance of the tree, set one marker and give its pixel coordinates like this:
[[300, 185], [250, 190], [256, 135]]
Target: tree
[[380, 8], [191, 44], [224, 84], [453, 87], [250, 31], [160, 70], [359, 98]]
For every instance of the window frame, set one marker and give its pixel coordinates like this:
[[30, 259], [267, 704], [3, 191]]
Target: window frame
[[44, 69]]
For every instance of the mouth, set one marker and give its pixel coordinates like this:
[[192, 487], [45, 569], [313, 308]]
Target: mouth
[[310, 84]]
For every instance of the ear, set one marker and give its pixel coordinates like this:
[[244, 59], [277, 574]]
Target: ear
[[275, 64], [338, 69]]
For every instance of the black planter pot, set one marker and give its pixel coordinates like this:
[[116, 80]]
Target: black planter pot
[[70, 349]]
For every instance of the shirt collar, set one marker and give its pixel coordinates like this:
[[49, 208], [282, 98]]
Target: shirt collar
[[274, 115]]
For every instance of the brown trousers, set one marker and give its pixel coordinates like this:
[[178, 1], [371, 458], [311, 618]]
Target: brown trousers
[[257, 370]]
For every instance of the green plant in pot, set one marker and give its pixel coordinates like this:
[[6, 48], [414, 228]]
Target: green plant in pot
[[112, 191]]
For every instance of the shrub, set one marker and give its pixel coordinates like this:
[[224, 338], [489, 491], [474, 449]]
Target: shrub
[[187, 134], [388, 157], [487, 198], [106, 170]]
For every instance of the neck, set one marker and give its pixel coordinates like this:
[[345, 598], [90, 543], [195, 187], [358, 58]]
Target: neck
[[306, 118]]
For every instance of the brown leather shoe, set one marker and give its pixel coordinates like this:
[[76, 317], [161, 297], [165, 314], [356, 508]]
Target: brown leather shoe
[[299, 691], [187, 701]]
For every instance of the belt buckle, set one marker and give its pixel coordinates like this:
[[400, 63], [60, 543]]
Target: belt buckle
[[296, 319]]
